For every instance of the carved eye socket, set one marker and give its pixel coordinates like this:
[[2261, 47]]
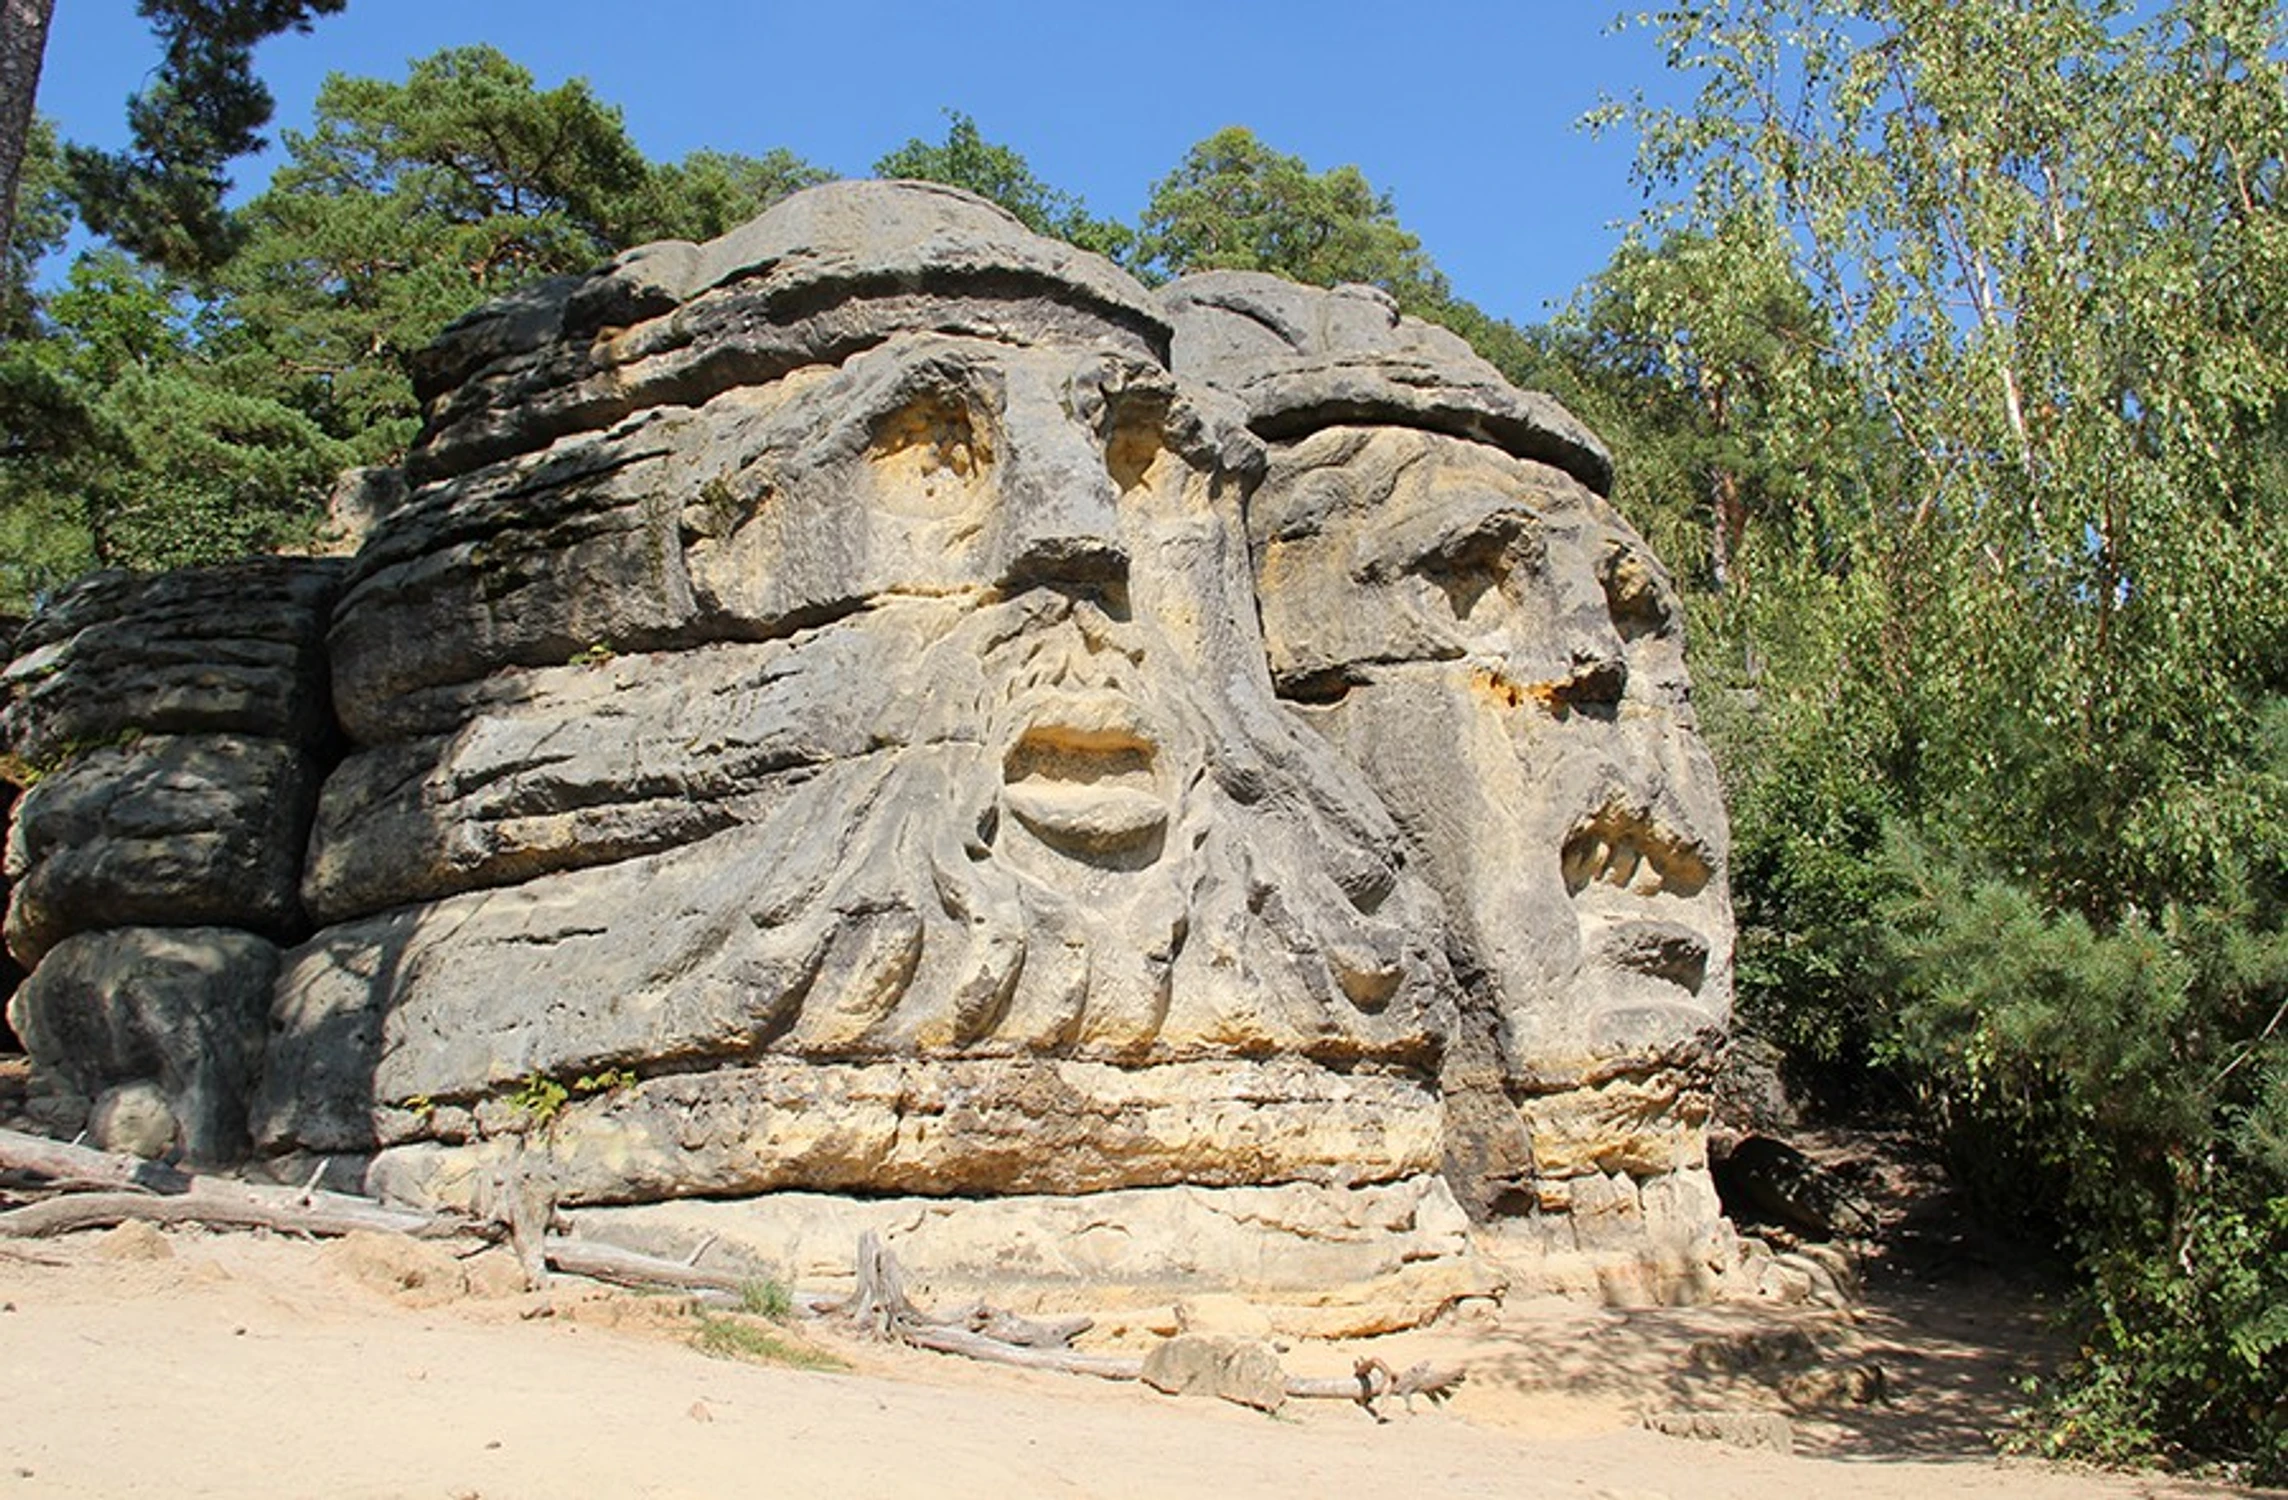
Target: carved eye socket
[[930, 453], [1635, 594], [1482, 551], [1134, 443]]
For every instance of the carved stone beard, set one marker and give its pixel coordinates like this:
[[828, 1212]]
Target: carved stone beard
[[1014, 882], [973, 868], [1100, 875]]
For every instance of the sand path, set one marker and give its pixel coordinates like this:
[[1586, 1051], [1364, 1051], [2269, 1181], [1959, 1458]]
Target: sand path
[[196, 1365]]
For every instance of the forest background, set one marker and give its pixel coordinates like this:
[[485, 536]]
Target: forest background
[[1947, 366]]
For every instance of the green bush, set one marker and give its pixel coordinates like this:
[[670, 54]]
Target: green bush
[[2124, 1086]]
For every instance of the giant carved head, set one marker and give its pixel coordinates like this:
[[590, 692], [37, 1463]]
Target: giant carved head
[[1448, 597], [815, 683]]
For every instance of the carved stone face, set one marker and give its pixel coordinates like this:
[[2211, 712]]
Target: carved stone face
[[1066, 493], [980, 760], [1499, 652], [816, 675]]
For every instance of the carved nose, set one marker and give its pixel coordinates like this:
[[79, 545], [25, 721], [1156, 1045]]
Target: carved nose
[[1061, 519], [1590, 651], [1063, 548], [1599, 672], [1579, 664]]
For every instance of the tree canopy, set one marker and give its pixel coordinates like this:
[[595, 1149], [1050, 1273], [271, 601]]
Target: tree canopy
[[1235, 204], [965, 159], [409, 203], [406, 204], [163, 197], [2038, 551]]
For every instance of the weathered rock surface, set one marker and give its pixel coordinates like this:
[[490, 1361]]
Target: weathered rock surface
[[173, 729], [1414, 570], [851, 656], [1657, 1241], [237, 650], [1302, 358], [163, 829], [967, 1126], [1313, 1260], [134, 1119], [1448, 599], [1202, 1364], [180, 1009], [818, 278], [1769, 1180], [879, 703], [573, 399], [360, 498], [1734, 1429], [422, 1273]]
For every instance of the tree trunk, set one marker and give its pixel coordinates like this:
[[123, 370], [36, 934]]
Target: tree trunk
[[23, 42], [130, 1188], [215, 1205], [1724, 533]]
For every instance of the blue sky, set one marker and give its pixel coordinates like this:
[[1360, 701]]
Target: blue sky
[[1464, 113]]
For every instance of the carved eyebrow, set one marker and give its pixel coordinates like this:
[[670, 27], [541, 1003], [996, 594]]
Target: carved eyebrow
[[1414, 457], [857, 400], [938, 378], [1106, 385], [1126, 402], [1374, 484]]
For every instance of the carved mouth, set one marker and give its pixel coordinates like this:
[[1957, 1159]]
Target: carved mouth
[[1650, 993], [1620, 864], [1657, 950], [1625, 850], [1083, 772]]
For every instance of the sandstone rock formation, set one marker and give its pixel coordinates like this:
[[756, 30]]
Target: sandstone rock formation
[[172, 732], [831, 703], [811, 720], [1448, 597]]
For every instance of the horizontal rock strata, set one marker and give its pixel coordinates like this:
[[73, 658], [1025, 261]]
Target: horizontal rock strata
[[1030, 1125], [1200, 786], [1315, 1261]]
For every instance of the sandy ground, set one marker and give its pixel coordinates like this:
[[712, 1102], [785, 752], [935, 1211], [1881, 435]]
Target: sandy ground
[[191, 1364]]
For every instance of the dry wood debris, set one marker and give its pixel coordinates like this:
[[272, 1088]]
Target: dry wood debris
[[81, 1188]]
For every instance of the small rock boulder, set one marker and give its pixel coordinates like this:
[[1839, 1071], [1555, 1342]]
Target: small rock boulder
[[1200, 1364]]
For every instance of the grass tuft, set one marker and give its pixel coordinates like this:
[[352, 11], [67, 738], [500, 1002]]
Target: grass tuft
[[766, 1298], [732, 1336]]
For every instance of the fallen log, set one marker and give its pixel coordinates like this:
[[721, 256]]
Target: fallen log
[[630, 1268], [128, 1187], [976, 1332], [1007, 1327], [946, 1339], [881, 1309], [601, 1262], [1372, 1379], [328, 1214], [70, 1165]]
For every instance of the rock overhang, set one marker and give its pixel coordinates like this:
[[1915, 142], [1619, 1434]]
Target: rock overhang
[[1300, 359], [814, 279]]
